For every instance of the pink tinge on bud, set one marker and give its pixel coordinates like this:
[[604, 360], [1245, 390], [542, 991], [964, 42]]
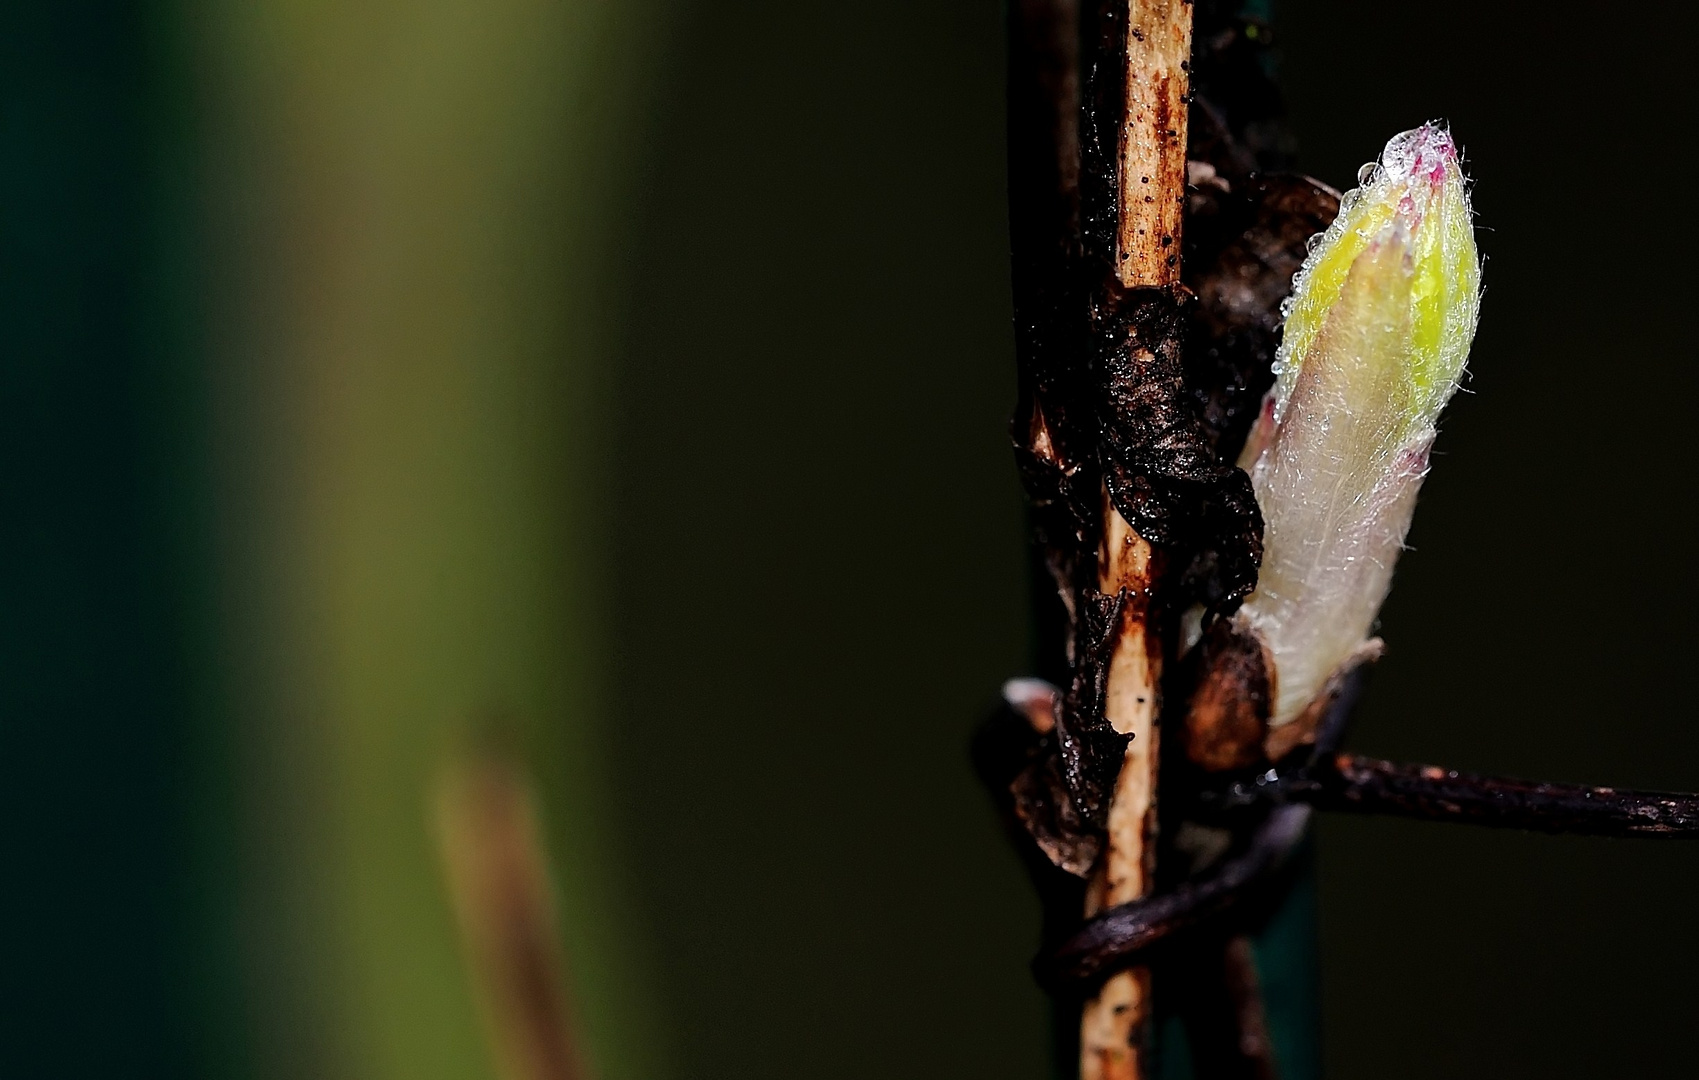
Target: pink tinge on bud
[[1434, 154], [1413, 460], [1425, 153]]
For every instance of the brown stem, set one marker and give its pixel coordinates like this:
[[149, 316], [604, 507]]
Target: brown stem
[[1113, 1022], [1152, 173], [1137, 112]]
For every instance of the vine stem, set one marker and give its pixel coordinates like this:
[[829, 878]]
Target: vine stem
[[1150, 197], [1355, 784]]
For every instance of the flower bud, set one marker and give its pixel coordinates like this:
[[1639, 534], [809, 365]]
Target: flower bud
[[1377, 330]]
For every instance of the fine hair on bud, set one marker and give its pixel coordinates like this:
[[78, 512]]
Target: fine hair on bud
[[1377, 331]]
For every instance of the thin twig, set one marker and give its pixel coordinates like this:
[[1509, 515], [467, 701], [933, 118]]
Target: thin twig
[[1144, 58], [1112, 1023], [1370, 786], [1118, 937]]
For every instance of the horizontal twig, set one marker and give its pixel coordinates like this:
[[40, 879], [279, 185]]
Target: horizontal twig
[[1348, 782], [1370, 786]]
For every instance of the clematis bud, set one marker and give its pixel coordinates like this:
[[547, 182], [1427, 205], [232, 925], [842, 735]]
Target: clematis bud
[[1377, 330]]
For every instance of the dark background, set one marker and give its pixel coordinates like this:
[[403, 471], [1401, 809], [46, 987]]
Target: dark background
[[818, 375], [1540, 627], [819, 551], [1541, 624]]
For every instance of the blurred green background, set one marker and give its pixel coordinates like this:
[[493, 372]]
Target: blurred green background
[[630, 379]]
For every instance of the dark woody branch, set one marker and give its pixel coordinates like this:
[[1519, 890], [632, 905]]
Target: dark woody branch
[[1115, 938], [1365, 785], [1349, 782]]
